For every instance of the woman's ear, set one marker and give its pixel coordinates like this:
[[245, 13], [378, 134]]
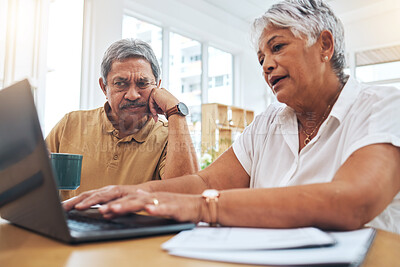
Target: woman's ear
[[327, 45]]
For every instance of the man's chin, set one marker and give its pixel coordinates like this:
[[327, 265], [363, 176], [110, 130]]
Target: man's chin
[[133, 121], [134, 114], [134, 109]]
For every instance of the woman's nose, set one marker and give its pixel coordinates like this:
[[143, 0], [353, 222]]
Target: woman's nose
[[268, 65]]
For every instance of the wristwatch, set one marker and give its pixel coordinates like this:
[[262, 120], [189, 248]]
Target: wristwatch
[[180, 109], [211, 196]]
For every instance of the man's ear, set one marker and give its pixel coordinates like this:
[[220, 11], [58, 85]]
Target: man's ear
[[103, 86], [327, 44]]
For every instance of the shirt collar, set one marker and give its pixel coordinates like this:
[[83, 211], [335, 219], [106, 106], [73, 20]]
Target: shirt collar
[[346, 99], [107, 125], [141, 136]]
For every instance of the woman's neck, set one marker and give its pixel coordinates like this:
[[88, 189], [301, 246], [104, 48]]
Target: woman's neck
[[312, 113]]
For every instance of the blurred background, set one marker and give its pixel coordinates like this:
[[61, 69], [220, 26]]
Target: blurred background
[[203, 47]]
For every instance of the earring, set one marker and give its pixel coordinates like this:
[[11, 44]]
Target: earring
[[326, 58]]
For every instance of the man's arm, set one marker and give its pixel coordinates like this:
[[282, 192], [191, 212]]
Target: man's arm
[[181, 156]]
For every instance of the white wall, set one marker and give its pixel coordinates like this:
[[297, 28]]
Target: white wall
[[103, 26], [255, 93], [374, 26], [23, 39]]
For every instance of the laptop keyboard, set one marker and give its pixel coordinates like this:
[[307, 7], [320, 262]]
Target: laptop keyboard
[[82, 223]]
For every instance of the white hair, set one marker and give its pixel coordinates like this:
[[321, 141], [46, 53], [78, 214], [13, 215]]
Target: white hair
[[306, 18]]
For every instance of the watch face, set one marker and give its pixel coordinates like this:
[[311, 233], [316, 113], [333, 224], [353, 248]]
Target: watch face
[[183, 109]]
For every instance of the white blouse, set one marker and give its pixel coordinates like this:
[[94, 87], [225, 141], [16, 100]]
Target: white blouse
[[362, 115]]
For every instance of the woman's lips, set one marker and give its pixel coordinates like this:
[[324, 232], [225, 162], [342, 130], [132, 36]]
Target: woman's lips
[[278, 83]]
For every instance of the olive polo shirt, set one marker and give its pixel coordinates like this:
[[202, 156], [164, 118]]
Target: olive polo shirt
[[108, 159]]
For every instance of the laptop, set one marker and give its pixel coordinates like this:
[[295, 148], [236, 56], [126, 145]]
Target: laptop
[[28, 191]]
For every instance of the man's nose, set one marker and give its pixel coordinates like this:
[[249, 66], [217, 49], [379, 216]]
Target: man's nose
[[132, 93]]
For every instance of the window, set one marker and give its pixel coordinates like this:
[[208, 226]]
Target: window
[[184, 71], [186, 75], [385, 73], [64, 56], [220, 89], [194, 87], [195, 58], [219, 81], [19, 41], [379, 66], [151, 34]]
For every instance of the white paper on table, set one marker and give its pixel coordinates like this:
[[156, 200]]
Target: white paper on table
[[238, 238], [351, 248]]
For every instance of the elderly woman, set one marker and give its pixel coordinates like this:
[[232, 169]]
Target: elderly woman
[[327, 155]]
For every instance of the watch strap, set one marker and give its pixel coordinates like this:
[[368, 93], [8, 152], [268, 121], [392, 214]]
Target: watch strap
[[211, 197], [172, 111], [213, 210]]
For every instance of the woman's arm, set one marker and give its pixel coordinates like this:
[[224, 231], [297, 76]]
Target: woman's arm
[[361, 189], [224, 173]]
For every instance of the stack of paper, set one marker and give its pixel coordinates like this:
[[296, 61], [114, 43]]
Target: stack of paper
[[302, 246]]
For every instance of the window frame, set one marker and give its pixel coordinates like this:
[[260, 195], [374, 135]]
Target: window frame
[[166, 30]]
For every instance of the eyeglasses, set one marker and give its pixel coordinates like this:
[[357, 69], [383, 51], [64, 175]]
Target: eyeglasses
[[120, 86]]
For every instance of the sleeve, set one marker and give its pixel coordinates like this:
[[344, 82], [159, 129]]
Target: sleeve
[[161, 163], [53, 139], [377, 121], [244, 149], [246, 145]]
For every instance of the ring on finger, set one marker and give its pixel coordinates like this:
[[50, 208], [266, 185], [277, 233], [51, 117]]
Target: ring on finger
[[155, 202]]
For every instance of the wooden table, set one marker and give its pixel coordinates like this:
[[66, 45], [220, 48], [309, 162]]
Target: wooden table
[[19, 247]]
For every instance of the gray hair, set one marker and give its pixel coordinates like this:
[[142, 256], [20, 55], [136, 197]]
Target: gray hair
[[128, 48], [306, 18]]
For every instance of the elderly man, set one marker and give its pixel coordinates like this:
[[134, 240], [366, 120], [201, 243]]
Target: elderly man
[[123, 142]]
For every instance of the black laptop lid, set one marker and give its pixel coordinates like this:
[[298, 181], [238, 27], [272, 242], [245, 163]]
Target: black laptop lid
[[28, 195]]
